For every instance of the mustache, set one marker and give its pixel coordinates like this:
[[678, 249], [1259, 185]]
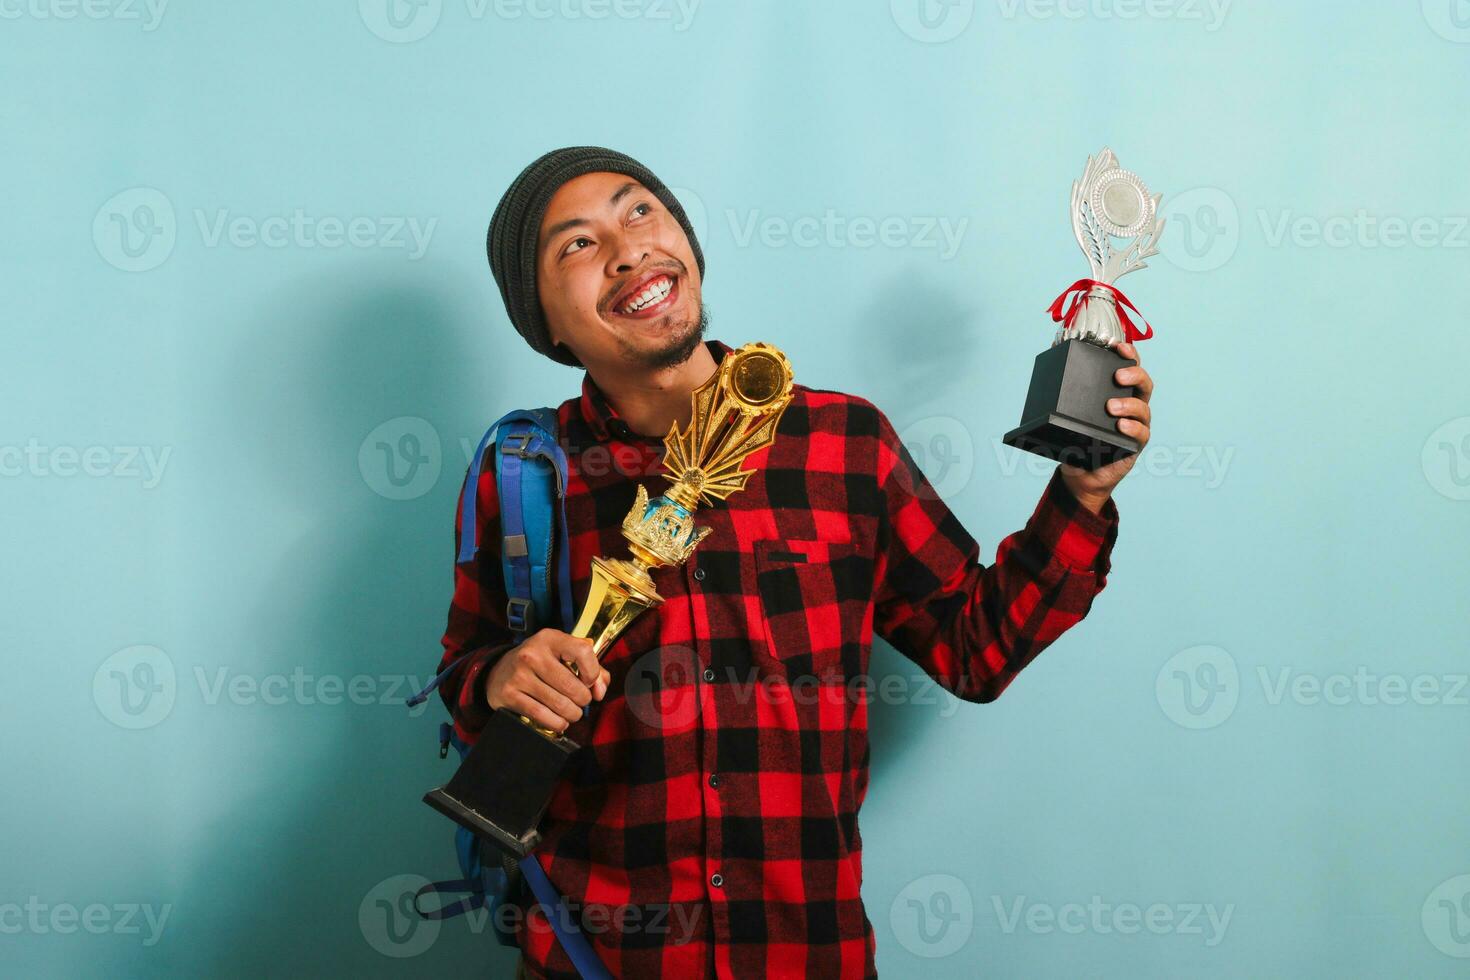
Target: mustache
[[672, 265]]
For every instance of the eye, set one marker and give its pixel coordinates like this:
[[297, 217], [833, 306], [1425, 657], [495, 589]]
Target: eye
[[575, 242], [642, 208]]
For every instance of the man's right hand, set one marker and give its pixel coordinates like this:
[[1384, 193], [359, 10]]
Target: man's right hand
[[532, 679]]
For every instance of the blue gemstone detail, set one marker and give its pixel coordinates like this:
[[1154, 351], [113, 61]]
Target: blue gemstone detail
[[669, 521]]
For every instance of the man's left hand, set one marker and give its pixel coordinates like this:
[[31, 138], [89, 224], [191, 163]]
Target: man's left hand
[[1093, 487]]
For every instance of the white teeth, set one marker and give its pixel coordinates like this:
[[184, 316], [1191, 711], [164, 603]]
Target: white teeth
[[653, 294]]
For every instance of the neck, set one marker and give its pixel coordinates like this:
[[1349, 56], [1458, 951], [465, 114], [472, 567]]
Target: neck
[[652, 402]]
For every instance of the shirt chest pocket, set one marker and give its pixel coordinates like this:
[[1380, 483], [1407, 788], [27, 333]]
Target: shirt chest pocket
[[814, 599]]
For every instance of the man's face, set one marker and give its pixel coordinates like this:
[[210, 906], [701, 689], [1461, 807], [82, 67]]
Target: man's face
[[616, 276]]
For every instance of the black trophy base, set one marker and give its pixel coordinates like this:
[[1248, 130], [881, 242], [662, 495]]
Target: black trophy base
[[501, 789], [1066, 415]]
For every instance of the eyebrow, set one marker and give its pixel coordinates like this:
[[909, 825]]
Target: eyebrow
[[562, 226]]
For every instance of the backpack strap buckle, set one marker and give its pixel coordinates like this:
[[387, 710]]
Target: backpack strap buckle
[[520, 615], [515, 443]]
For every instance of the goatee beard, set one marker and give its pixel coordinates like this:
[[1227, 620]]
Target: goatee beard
[[679, 349]]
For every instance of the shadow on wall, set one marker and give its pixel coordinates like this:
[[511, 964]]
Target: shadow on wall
[[301, 878], [919, 342]]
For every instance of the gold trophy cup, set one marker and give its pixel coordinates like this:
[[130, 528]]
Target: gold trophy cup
[[504, 783]]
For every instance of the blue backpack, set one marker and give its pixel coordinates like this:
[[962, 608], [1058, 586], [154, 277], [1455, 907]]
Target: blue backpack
[[531, 478]]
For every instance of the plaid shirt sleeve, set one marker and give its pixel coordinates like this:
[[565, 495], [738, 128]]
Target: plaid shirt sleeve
[[477, 628], [972, 627]]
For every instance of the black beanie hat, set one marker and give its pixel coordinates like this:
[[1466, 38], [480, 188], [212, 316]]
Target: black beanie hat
[[516, 225]]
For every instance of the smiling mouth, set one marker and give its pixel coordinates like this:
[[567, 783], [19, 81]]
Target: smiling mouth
[[650, 297]]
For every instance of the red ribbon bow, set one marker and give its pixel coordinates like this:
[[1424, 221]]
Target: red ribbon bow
[[1078, 292]]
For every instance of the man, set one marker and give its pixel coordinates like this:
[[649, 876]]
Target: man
[[711, 823]]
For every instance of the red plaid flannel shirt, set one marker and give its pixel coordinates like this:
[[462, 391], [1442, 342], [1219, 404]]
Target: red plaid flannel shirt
[[708, 826]]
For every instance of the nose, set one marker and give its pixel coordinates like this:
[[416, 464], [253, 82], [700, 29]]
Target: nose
[[627, 254]]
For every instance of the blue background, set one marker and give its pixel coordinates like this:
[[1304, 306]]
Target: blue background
[[1299, 519]]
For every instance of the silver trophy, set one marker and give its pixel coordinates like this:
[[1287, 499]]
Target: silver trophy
[[1066, 417]]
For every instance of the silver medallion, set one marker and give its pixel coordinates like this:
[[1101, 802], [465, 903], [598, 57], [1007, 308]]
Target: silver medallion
[[1107, 203]]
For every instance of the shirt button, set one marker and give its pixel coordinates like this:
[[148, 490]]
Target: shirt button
[[619, 428], [717, 880], [714, 779], [709, 674], [699, 575]]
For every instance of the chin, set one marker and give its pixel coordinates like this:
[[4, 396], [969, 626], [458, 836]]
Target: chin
[[680, 339]]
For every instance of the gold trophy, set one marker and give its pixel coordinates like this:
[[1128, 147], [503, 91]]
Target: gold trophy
[[505, 782]]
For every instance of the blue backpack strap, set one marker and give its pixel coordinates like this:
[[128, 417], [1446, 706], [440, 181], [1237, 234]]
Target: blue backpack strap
[[469, 542], [476, 891], [526, 505], [583, 957], [531, 476], [531, 479]]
